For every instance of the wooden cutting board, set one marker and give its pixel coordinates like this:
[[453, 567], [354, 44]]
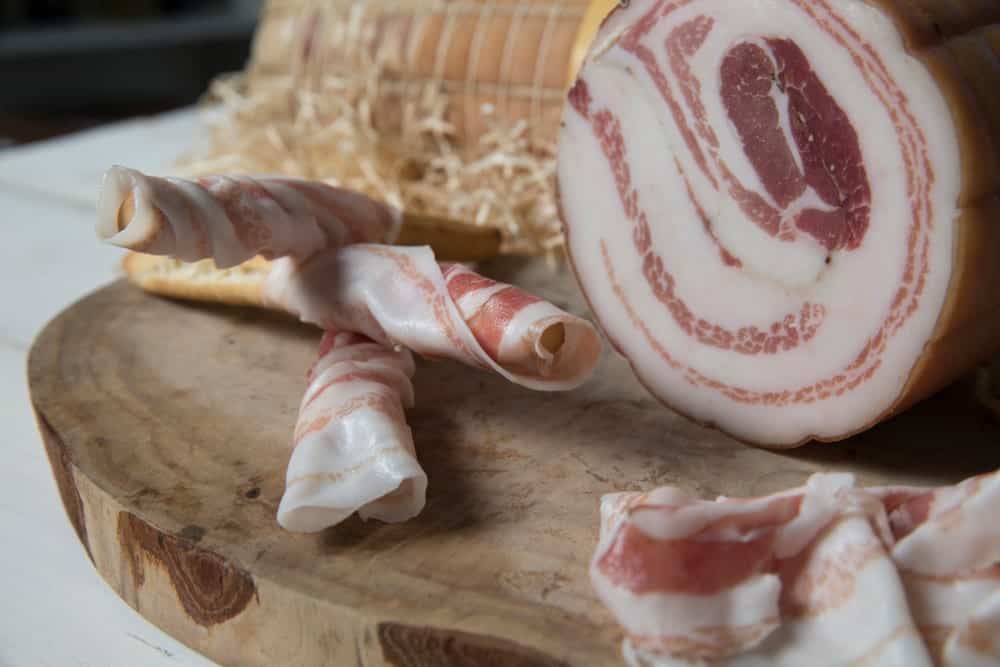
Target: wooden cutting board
[[168, 428]]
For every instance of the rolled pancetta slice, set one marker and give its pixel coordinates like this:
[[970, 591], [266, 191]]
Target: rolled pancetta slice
[[353, 451], [400, 296], [234, 218], [824, 572], [783, 212]]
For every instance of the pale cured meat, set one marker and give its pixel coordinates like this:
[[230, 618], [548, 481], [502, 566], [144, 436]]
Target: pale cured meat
[[783, 212], [819, 575], [353, 451], [947, 550], [398, 296], [232, 218]]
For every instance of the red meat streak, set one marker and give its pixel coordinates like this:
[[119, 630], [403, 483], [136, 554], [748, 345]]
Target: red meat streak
[[731, 551], [704, 563], [490, 321], [782, 335]]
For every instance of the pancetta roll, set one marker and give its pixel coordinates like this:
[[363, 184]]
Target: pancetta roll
[[783, 212], [823, 574], [231, 219], [400, 296], [353, 451]]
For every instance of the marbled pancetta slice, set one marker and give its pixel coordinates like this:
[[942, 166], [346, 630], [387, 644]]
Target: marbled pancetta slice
[[783, 212], [947, 549], [823, 574], [234, 218], [401, 296], [353, 451]]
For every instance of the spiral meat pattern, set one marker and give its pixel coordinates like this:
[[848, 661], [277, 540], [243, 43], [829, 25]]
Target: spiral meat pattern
[[774, 212]]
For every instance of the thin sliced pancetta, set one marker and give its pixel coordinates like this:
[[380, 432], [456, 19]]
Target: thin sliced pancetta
[[783, 212], [234, 218], [819, 575], [400, 296], [324, 274], [947, 549], [353, 451]]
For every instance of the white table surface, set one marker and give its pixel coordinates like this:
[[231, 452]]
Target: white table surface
[[54, 607]]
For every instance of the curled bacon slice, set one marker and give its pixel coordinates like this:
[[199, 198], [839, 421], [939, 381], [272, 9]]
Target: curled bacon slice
[[400, 296], [781, 214], [870, 576], [231, 219], [353, 451]]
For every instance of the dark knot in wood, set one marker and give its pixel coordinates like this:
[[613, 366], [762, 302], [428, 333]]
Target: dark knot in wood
[[412, 646], [210, 589]]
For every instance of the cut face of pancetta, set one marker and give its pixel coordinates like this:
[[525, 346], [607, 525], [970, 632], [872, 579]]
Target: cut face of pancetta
[[772, 208], [824, 574], [234, 218], [353, 451]]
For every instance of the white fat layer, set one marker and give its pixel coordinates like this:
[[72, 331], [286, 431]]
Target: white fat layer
[[856, 289], [822, 497], [861, 610], [752, 604], [944, 603], [977, 642], [471, 302], [965, 514]]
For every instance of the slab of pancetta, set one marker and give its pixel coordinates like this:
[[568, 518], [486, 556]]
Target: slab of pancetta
[[825, 574], [783, 212], [352, 450]]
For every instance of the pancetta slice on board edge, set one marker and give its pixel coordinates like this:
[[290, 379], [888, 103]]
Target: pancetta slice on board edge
[[825, 574], [784, 212]]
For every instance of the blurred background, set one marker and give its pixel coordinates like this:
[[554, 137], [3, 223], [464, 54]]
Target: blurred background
[[67, 65]]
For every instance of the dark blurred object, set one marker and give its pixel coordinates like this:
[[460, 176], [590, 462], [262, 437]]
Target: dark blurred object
[[78, 61]]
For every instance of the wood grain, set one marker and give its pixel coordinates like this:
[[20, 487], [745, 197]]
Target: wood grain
[[168, 427]]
